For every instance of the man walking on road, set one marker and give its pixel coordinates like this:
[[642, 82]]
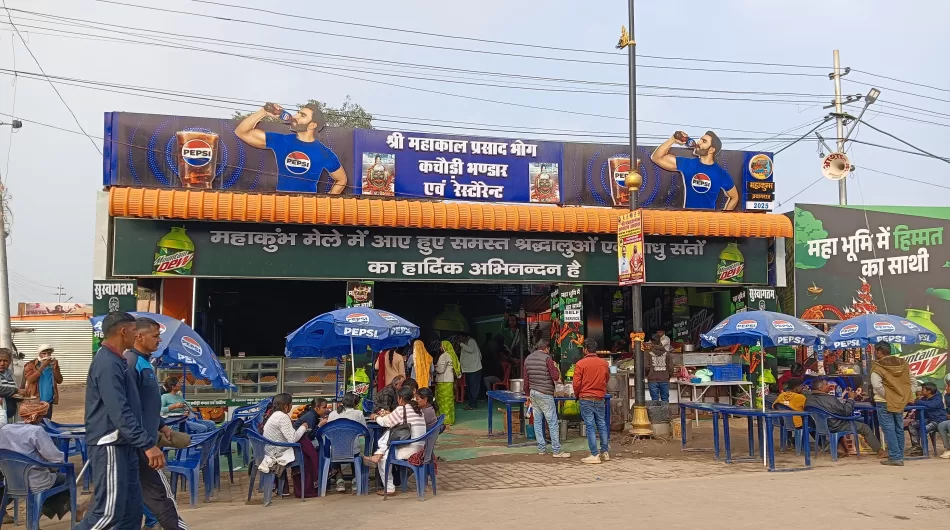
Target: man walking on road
[[541, 373], [890, 380], [42, 377], [590, 386], [114, 432], [156, 492]]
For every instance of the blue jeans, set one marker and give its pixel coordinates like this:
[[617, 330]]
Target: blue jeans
[[150, 520], [593, 412], [545, 409], [660, 391], [892, 423], [473, 381], [200, 426]]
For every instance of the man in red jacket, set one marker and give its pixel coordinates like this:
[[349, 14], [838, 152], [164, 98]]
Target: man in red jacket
[[590, 386]]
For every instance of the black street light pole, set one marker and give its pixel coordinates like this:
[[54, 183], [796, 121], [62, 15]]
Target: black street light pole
[[641, 421]]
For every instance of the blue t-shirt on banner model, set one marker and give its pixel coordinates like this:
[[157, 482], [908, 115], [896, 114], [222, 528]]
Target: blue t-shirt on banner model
[[703, 178], [301, 157]]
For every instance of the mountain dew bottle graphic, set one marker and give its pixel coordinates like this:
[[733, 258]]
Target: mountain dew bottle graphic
[[174, 254], [731, 265], [927, 361]]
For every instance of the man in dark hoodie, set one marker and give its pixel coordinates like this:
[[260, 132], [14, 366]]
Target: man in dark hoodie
[[114, 432], [659, 369], [935, 413], [820, 397], [890, 380], [156, 492]]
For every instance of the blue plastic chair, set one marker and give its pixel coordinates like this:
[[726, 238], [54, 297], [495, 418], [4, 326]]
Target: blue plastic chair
[[788, 425], [195, 459], [71, 443], [422, 472], [252, 416], [176, 423], [228, 430], [16, 509], [258, 442], [369, 406], [337, 439], [821, 417], [16, 472]]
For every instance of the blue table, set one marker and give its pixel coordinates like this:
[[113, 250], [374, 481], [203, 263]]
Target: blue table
[[870, 409], [768, 443], [715, 409], [509, 399]]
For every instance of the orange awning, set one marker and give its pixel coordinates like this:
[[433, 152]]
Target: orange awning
[[406, 213]]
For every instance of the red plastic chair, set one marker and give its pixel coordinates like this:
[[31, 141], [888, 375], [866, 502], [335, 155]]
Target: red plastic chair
[[506, 371]]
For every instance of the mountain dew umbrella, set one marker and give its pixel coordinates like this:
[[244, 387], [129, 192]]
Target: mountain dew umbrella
[[181, 345], [764, 329], [343, 331], [865, 330]]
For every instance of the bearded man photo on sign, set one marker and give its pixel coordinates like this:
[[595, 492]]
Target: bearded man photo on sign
[[703, 178]]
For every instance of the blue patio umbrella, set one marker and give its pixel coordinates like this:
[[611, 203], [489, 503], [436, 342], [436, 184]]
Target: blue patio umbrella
[[181, 346], [344, 331], [765, 329], [863, 330]]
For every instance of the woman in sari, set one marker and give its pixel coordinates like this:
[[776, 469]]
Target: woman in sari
[[447, 369]]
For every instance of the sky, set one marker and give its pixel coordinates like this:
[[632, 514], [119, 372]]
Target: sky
[[53, 176]]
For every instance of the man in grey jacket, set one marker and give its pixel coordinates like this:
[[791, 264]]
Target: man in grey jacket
[[821, 398], [541, 374]]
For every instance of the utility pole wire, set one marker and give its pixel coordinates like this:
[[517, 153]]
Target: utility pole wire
[[885, 133]]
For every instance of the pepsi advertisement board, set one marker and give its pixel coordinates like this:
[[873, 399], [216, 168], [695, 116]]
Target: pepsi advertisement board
[[158, 151]]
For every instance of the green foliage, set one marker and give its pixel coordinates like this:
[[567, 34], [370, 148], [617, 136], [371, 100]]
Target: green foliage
[[807, 228], [349, 114]]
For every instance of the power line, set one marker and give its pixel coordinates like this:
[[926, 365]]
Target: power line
[[900, 80], [806, 188], [885, 133], [38, 65], [6, 171], [904, 178], [890, 148]]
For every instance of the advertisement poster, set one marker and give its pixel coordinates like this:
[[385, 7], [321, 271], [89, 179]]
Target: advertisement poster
[[161, 151], [457, 167], [630, 248], [359, 294], [567, 322], [877, 259], [52, 308]]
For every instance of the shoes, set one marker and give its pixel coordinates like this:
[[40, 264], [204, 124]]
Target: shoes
[[592, 459], [562, 455], [605, 456], [945, 454], [915, 451], [542, 452], [890, 462], [340, 486]]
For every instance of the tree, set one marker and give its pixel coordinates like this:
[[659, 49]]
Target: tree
[[348, 114], [807, 228]]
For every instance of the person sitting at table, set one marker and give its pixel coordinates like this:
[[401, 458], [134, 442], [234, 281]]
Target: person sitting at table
[[346, 410], [796, 372], [279, 428], [315, 413], [408, 412], [793, 398], [935, 413], [386, 398], [425, 399], [30, 439], [174, 404], [821, 398]]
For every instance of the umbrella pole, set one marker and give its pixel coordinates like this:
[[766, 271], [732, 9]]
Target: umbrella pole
[[184, 382], [762, 391], [353, 364]]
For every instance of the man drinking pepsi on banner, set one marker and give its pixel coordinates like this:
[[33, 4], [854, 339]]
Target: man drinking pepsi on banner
[[703, 178], [301, 157]]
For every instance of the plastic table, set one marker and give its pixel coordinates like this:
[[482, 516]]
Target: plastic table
[[509, 399], [769, 417], [744, 386], [871, 409], [715, 409]]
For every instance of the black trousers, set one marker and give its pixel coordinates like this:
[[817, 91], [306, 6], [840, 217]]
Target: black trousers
[[157, 495], [117, 494]]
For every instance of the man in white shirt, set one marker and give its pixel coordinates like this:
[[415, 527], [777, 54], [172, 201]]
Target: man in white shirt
[[471, 360], [664, 340]]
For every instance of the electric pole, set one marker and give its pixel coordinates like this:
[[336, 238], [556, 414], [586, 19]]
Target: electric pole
[[6, 334], [839, 118], [60, 293]]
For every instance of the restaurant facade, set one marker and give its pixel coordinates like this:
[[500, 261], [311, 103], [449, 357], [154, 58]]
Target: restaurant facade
[[452, 233]]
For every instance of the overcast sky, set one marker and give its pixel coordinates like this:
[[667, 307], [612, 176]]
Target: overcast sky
[[53, 175]]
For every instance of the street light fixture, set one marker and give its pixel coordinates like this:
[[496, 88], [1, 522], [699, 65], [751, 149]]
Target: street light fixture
[[869, 100]]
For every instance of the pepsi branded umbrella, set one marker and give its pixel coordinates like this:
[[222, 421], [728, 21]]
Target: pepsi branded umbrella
[[181, 345], [340, 332], [765, 329], [864, 330]]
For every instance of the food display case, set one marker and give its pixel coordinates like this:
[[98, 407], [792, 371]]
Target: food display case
[[310, 377], [198, 391], [256, 377]]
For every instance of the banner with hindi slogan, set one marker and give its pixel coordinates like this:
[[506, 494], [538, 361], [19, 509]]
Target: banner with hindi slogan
[[877, 259], [630, 259]]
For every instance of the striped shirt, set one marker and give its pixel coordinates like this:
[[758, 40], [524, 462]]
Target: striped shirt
[[279, 428]]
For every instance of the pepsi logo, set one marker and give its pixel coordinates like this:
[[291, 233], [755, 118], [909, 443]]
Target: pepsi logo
[[191, 346], [357, 318], [721, 325], [747, 324], [910, 325], [196, 153], [297, 163], [620, 173], [848, 330], [387, 316], [701, 183], [884, 327], [161, 328], [360, 332], [783, 325], [400, 330]]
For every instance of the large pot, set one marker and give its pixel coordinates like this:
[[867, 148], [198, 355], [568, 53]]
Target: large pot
[[689, 348], [517, 385]]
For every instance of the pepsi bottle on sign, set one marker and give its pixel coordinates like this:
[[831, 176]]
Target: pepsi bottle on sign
[[278, 111], [197, 158]]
